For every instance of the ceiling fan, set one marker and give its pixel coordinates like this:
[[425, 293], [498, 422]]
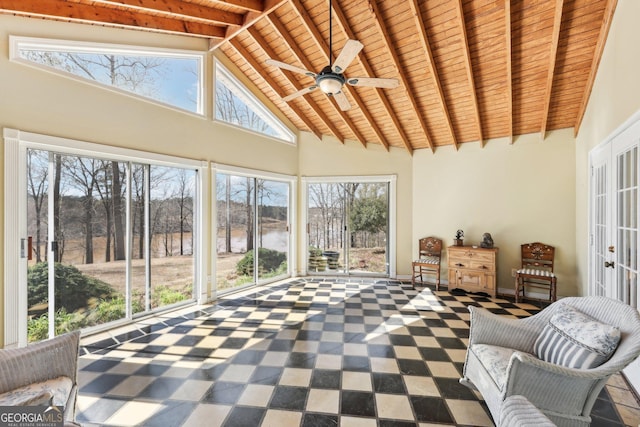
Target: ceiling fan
[[331, 79]]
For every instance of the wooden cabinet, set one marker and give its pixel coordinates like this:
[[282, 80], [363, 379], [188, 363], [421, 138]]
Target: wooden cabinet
[[472, 269]]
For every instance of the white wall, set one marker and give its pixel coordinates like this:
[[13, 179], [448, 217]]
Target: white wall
[[519, 193], [615, 97]]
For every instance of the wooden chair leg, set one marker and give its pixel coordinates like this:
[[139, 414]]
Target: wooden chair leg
[[553, 289], [517, 299], [413, 276], [437, 279]]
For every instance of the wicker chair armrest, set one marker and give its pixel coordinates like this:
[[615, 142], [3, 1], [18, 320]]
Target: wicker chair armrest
[[39, 362], [549, 386], [489, 328]]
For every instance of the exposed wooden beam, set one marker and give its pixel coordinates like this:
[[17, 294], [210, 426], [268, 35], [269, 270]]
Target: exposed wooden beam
[[312, 104], [186, 10], [507, 39], [250, 18], [609, 10], [252, 5], [555, 37], [382, 96], [408, 89], [259, 70], [431, 66], [109, 16], [309, 66], [469, 70], [324, 48]]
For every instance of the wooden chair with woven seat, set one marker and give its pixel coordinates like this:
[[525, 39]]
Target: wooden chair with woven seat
[[428, 262], [536, 270]]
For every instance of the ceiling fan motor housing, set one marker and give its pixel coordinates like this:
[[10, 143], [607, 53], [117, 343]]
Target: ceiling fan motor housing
[[329, 81]]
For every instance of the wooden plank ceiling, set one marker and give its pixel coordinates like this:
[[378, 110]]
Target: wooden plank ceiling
[[468, 70]]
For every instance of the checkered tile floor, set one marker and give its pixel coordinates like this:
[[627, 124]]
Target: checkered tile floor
[[312, 352]]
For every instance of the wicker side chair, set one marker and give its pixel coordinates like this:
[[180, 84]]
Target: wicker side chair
[[22, 368], [565, 395]]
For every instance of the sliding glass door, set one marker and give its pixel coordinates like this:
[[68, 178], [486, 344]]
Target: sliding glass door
[[107, 239], [251, 212], [348, 225]]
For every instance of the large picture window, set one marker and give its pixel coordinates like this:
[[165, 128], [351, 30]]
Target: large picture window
[[106, 233], [171, 77]]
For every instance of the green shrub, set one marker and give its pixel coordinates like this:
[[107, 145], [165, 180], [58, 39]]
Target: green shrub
[[74, 290], [38, 328], [268, 261], [164, 295], [107, 311]]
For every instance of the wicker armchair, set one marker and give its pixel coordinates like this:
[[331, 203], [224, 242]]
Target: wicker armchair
[[517, 411], [30, 374], [565, 395]]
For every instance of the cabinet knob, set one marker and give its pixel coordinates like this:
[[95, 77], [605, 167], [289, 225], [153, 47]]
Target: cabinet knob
[[459, 265]]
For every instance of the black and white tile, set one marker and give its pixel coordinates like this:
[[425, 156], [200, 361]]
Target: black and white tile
[[309, 352]]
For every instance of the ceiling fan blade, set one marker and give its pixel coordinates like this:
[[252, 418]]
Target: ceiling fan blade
[[299, 93], [290, 67], [349, 52], [342, 101], [368, 81]]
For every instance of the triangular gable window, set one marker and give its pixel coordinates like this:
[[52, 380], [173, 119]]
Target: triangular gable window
[[236, 105], [167, 76]]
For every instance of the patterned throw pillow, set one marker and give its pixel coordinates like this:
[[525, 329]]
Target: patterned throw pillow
[[575, 340]]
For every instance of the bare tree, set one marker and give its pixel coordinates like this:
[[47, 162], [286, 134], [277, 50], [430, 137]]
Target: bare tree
[[185, 206], [84, 176], [38, 184], [232, 109], [57, 215], [118, 213]]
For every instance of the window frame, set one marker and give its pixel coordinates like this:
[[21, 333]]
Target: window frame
[[72, 46], [253, 102], [291, 180], [15, 227]]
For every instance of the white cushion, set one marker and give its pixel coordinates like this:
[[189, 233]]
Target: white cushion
[[55, 391], [536, 272], [428, 260], [575, 340], [495, 360]]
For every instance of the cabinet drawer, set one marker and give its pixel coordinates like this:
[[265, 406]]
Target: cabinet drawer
[[486, 256], [471, 264], [489, 266]]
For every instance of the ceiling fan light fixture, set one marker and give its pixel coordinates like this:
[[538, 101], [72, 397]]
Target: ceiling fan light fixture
[[330, 83]]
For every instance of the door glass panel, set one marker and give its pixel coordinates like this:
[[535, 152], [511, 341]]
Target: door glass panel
[[139, 182], [89, 284], [368, 205], [171, 192], [273, 229], [37, 232], [348, 227], [600, 230], [327, 223], [627, 233], [235, 202]]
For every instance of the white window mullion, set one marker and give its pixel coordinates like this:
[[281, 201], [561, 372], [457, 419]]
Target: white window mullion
[[51, 258], [15, 235]]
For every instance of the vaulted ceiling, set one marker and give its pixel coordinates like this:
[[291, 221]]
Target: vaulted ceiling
[[468, 70]]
